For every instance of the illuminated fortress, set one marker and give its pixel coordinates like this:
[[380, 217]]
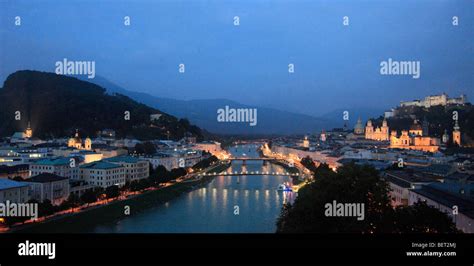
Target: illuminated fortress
[[434, 100]]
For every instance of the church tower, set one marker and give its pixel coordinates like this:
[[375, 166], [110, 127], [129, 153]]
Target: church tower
[[88, 144], [369, 130], [359, 128], [323, 136], [457, 134], [28, 131], [385, 129], [445, 136], [306, 142]]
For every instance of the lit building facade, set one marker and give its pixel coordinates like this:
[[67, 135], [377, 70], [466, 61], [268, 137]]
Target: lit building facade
[[135, 168], [413, 139], [103, 174], [378, 133], [77, 143], [434, 100]]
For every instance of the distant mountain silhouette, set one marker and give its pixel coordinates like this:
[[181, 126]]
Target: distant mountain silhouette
[[204, 114], [56, 105]]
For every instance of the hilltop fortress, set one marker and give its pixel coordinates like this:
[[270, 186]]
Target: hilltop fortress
[[434, 100]]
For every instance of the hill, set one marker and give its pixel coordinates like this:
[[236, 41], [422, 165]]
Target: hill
[[56, 105], [439, 118]]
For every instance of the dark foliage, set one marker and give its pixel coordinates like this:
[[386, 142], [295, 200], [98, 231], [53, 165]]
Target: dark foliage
[[56, 105]]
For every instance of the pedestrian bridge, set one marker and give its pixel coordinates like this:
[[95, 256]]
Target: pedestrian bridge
[[250, 159], [249, 173]]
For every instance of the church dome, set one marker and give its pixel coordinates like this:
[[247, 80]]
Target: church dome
[[415, 126]]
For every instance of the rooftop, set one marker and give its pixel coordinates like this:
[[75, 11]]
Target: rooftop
[[405, 179], [9, 184], [45, 178], [100, 165], [120, 159], [56, 161], [466, 206]]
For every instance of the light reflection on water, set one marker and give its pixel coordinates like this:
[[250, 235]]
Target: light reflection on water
[[211, 208]]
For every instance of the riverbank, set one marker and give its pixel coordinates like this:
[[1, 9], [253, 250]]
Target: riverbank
[[89, 218]]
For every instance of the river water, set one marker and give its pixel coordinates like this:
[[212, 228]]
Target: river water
[[228, 204]]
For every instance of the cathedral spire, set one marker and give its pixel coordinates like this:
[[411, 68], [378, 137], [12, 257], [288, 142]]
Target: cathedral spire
[[456, 125]]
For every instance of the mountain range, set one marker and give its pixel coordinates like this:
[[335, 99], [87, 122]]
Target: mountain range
[[203, 113]]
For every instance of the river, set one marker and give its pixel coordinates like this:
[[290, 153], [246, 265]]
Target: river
[[227, 204]]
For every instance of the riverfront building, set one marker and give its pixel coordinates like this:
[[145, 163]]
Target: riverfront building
[[50, 187], [13, 191], [103, 174], [57, 166], [135, 168]]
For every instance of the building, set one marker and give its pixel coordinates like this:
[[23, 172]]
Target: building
[[416, 129], [79, 187], [78, 143], [13, 191], [87, 156], [322, 136], [103, 174], [389, 114], [297, 153], [456, 134], [414, 140], [212, 147], [359, 127], [155, 117], [167, 160], [401, 182], [22, 136], [461, 184], [107, 133], [50, 187], [434, 100], [446, 202], [21, 170], [135, 168], [305, 142], [378, 133], [58, 166], [445, 137]]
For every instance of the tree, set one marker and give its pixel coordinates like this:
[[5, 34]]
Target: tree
[[72, 201], [309, 164], [162, 174], [205, 163], [356, 184], [89, 196], [147, 148], [112, 191], [9, 221], [177, 172], [46, 208], [421, 218]]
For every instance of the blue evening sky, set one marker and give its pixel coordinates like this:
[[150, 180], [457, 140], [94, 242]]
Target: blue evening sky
[[335, 66]]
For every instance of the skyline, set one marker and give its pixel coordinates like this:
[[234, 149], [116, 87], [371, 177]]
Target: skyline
[[249, 63]]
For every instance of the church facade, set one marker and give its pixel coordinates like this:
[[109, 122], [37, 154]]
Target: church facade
[[378, 133], [79, 144], [414, 139]]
